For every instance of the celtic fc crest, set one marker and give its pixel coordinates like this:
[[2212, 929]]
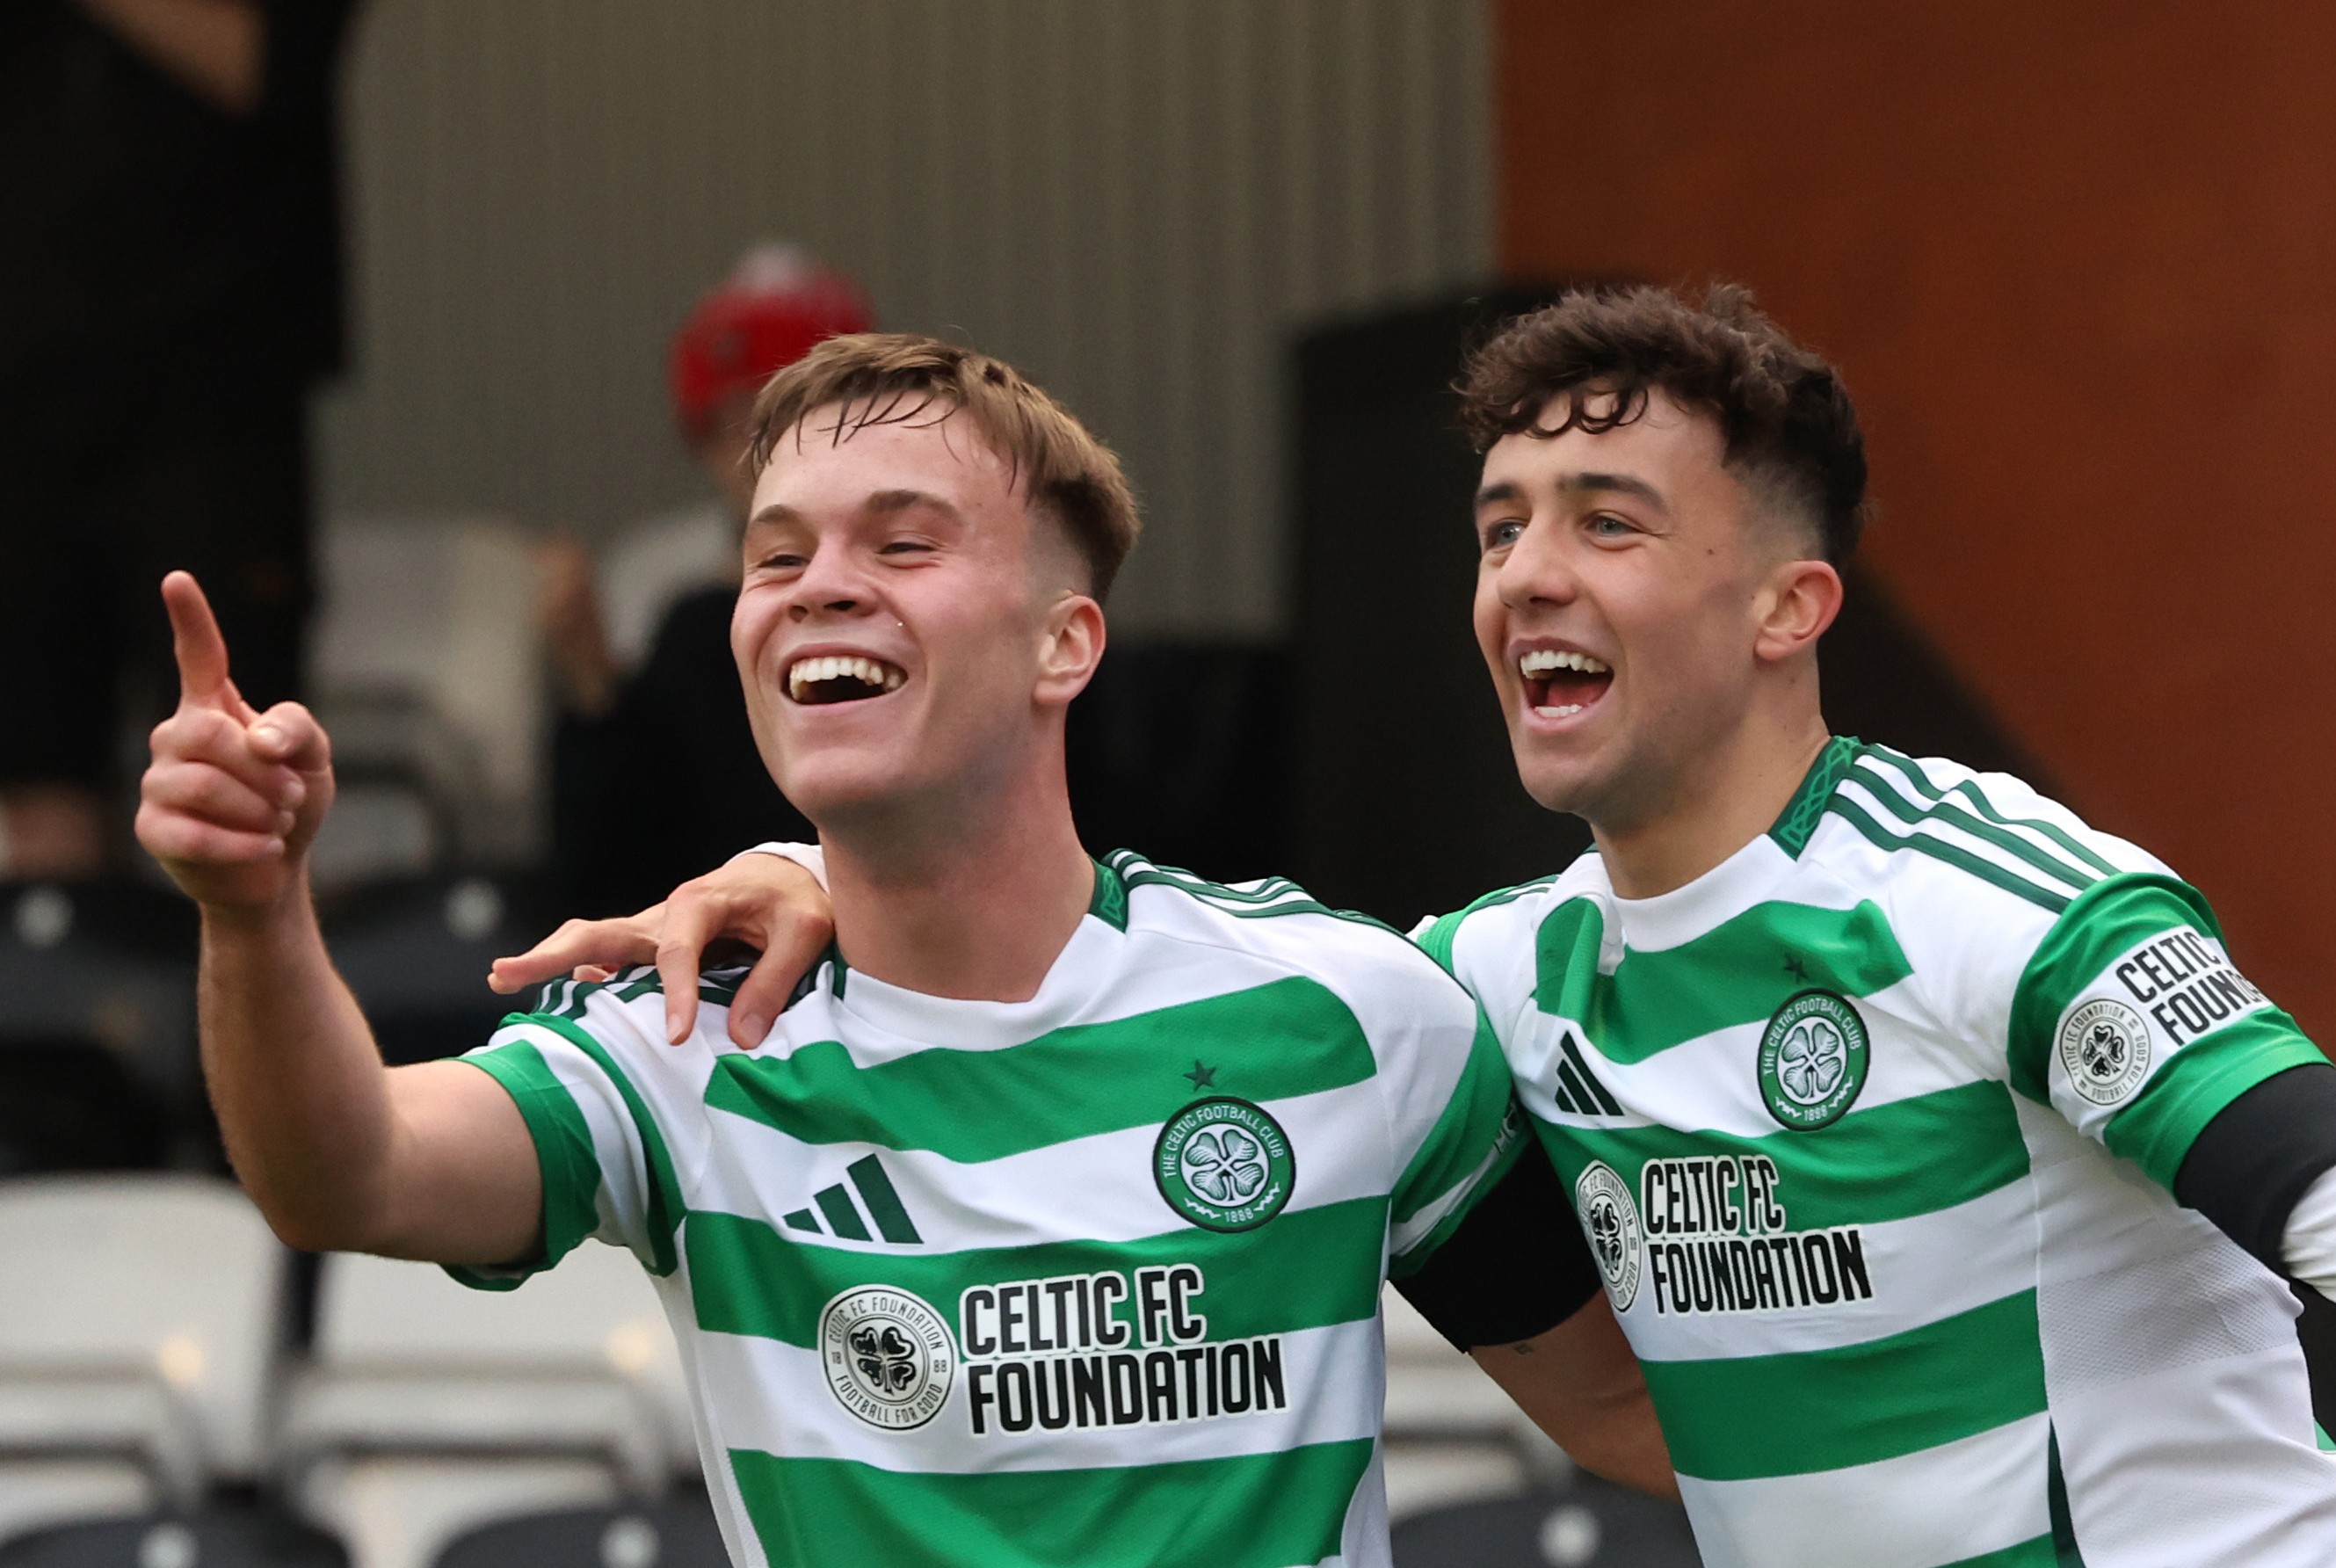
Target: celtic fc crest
[[1813, 1059], [1224, 1165]]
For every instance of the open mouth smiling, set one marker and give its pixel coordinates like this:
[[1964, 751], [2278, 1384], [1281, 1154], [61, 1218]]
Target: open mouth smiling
[[1563, 682], [829, 678]]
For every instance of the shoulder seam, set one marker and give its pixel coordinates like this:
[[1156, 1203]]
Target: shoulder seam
[[1954, 856], [2042, 839], [1275, 896]]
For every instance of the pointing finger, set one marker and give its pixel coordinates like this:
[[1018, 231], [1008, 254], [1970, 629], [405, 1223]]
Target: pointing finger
[[196, 642]]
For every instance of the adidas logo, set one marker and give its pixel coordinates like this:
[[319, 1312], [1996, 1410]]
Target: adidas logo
[[1578, 1090], [879, 1201]]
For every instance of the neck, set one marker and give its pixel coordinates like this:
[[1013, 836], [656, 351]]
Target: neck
[[977, 909], [1733, 792]]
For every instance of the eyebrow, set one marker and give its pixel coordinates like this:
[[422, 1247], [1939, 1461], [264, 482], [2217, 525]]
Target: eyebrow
[[1502, 491], [883, 501]]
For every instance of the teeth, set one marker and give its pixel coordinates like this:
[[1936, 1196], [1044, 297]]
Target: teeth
[[1571, 707], [1542, 660], [809, 672]]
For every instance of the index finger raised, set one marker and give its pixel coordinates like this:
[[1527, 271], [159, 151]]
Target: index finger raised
[[196, 643]]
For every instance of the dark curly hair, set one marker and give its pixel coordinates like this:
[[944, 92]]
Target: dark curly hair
[[1787, 420]]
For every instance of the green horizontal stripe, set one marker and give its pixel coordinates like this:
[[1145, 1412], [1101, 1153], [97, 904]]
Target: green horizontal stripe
[[1305, 1269], [2035, 1552], [1288, 1037], [1890, 1162], [2155, 1129], [1253, 1511], [564, 1154], [1739, 972], [1787, 1414], [2099, 926]]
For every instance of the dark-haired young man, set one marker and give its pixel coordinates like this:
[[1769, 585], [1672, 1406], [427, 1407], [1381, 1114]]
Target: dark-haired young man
[[1942, 1167], [1050, 1229]]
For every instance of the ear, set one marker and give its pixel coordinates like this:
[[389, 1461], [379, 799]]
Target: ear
[[1072, 646], [1800, 601]]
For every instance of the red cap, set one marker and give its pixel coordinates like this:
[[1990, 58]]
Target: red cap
[[775, 307]]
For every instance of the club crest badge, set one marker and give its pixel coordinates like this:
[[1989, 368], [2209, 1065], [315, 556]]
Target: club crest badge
[[2105, 1046], [888, 1357], [1610, 1221], [1813, 1060], [1224, 1165]]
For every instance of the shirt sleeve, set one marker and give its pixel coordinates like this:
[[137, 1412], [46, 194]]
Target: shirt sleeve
[[608, 1171], [1459, 1128], [2132, 1022]]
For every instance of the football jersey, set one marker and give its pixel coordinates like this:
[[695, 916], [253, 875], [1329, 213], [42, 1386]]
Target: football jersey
[[1872, 1129], [1091, 1278]]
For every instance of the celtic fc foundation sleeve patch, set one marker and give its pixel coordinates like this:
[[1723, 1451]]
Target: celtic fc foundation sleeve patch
[[1610, 1220], [2132, 1021]]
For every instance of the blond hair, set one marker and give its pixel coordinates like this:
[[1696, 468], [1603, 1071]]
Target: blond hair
[[892, 377]]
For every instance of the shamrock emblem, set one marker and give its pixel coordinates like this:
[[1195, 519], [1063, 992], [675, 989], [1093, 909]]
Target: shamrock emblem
[[1224, 1165], [2105, 1051], [1812, 1061], [885, 1358], [1606, 1233]]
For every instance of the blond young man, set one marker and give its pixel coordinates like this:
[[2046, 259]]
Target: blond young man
[[1046, 1222]]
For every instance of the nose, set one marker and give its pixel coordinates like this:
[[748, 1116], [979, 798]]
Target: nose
[[830, 585], [1539, 567]]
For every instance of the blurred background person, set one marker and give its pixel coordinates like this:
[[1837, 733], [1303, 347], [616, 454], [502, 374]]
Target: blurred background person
[[170, 293], [654, 769]]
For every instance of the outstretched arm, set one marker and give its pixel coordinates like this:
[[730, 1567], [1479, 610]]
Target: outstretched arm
[[339, 1152]]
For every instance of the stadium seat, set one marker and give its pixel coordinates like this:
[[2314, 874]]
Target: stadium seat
[[1588, 1523], [207, 1538], [97, 1028], [139, 1318], [416, 955], [429, 1408], [424, 673], [674, 1535]]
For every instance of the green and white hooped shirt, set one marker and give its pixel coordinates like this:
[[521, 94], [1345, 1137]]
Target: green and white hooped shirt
[[1093, 1278], [1872, 1129]]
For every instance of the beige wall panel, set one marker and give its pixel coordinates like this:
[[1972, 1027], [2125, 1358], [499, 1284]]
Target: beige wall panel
[[1136, 201]]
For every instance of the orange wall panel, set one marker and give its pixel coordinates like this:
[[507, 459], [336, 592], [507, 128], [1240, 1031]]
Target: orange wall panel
[[2079, 264]]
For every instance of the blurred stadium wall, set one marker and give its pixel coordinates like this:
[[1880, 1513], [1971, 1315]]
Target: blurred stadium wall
[[2076, 261], [1136, 201]]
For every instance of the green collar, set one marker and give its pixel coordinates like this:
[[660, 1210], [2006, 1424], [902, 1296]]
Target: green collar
[[1802, 813]]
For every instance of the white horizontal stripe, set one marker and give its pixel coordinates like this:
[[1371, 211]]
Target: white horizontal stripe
[[1960, 1499], [1924, 1269], [774, 1397], [1745, 881], [1712, 1083], [1098, 1188]]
